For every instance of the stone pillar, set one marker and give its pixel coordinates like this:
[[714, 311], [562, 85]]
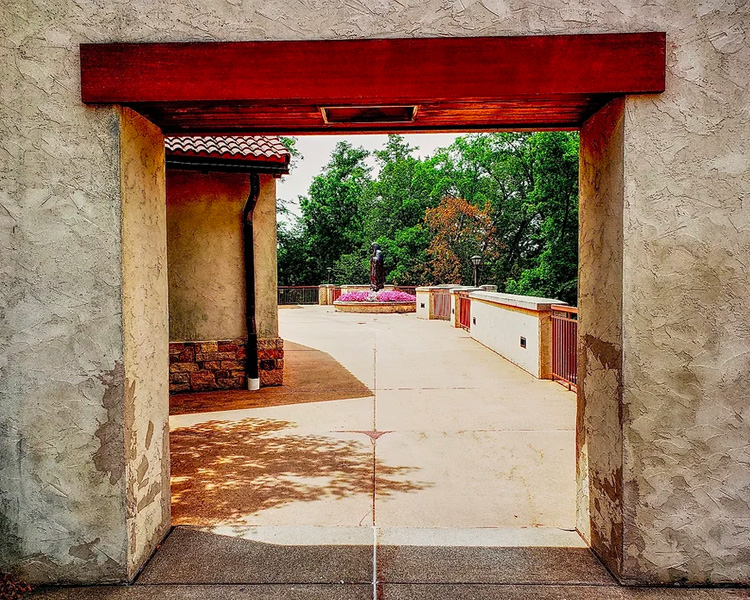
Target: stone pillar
[[324, 294]]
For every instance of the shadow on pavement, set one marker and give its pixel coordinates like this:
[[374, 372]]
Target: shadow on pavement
[[310, 375], [223, 471]]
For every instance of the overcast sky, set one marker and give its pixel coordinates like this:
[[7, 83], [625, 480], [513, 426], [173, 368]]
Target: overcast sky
[[316, 150]]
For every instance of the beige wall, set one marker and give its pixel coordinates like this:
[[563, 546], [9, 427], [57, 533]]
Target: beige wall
[[205, 255], [266, 273], [599, 427], [685, 317], [206, 268], [146, 339], [500, 320]]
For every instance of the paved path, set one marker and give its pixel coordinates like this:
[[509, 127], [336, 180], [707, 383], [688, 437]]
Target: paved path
[[403, 460], [451, 435]]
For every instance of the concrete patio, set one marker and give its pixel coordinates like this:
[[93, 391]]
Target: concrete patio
[[401, 459], [432, 431]]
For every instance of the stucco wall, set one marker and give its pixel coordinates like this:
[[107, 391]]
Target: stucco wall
[[686, 419], [62, 463], [206, 268], [205, 255], [264, 245], [423, 303], [146, 336], [499, 325], [686, 315], [599, 426]]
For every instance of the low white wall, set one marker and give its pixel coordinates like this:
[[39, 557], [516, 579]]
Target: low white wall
[[423, 302], [499, 321]]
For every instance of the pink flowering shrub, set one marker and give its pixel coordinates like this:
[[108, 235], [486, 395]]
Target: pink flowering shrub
[[355, 297], [382, 296], [394, 296]]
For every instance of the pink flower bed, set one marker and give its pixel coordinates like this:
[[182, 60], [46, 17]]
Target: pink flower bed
[[382, 296]]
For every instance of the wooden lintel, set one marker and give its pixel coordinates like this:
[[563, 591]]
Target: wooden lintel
[[374, 72]]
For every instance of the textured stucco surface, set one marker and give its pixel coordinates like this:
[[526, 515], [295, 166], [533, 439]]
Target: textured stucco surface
[[146, 336], [599, 423], [62, 485], [685, 318], [264, 246], [205, 255], [206, 269]]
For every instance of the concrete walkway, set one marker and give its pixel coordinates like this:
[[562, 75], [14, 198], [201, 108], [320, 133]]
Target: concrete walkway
[[402, 459], [438, 432]]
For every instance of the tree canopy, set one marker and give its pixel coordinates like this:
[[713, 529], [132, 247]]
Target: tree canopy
[[512, 198]]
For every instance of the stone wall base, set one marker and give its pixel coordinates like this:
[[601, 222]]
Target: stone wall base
[[221, 365], [271, 361]]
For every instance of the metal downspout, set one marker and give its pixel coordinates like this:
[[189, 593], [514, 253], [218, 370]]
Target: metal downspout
[[253, 378]]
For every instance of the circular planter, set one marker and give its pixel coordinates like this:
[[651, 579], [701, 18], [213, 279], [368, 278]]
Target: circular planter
[[380, 308]]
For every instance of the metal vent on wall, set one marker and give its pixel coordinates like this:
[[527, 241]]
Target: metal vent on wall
[[368, 114]]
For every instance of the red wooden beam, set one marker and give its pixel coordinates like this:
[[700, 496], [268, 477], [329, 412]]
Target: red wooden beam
[[371, 72]]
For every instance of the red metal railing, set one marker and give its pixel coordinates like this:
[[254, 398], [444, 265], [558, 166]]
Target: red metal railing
[[408, 289], [565, 345], [464, 310], [441, 304], [298, 294], [335, 294]]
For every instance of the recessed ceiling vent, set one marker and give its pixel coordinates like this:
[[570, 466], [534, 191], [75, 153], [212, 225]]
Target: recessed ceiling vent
[[368, 114]]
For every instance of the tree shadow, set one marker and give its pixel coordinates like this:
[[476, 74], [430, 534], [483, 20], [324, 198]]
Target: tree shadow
[[224, 471]]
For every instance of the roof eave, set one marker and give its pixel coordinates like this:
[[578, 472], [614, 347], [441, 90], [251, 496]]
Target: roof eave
[[226, 165]]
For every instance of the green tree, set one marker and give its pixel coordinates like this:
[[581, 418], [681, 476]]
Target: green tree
[[530, 183], [353, 268], [405, 188], [333, 212], [510, 197]]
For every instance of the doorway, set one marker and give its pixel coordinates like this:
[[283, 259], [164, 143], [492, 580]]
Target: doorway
[[539, 94]]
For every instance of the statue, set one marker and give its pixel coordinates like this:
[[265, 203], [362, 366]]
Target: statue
[[377, 270]]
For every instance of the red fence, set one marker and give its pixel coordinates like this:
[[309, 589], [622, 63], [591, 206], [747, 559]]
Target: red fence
[[407, 289], [464, 310], [298, 294], [441, 304], [565, 345], [335, 294]]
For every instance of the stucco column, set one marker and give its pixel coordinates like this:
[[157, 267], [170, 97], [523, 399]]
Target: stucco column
[[84, 474], [145, 322], [599, 426], [266, 276]]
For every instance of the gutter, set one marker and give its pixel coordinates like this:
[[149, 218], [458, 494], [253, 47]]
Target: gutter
[[253, 377], [277, 169]]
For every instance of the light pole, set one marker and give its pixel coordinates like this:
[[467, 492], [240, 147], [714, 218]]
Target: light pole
[[330, 271], [476, 261]]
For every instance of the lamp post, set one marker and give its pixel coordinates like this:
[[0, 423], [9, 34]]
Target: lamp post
[[330, 271], [476, 261]]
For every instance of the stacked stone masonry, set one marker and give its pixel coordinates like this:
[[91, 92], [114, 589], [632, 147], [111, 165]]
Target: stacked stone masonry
[[221, 365], [271, 361]]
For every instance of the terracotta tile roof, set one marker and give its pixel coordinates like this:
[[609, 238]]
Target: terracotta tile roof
[[256, 148]]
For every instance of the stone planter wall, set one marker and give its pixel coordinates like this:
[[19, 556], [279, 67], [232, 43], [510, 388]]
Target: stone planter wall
[[376, 307]]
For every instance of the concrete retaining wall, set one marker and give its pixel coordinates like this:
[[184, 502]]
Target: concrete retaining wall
[[516, 327]]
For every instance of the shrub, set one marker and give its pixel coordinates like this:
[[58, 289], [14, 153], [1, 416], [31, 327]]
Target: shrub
[[382, 296]]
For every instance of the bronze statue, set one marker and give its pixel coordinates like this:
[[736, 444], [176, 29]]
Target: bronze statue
[[377, 270]]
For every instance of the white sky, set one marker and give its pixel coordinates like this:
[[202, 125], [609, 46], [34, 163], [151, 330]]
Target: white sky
[[316, 151]]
